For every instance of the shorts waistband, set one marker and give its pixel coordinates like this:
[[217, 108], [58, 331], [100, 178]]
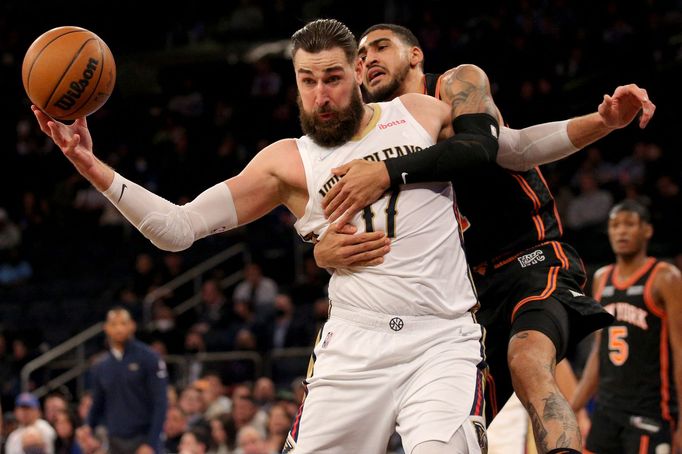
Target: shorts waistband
[[490, 266], [397, 323]]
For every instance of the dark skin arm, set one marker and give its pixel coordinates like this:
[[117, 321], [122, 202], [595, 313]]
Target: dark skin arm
[[465, 88], [667, 289]]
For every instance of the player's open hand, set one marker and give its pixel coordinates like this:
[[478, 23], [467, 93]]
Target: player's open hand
[[76, 144], [74, 140], [619, 109], [362, 183], [340, 247]]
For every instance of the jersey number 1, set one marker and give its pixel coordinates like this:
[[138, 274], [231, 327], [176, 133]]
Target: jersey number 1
[[368, 214]]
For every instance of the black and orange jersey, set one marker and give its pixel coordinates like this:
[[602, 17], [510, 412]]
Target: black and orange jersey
[[503, 212], [635, 363]]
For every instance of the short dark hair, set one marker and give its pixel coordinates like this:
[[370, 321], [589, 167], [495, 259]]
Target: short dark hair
[[404, 33], [325, 34], [632, 206], [202, 435]]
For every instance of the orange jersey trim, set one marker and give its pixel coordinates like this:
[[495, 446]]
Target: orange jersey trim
[[556, 211], [623, 285], [643, 444], [649, 299], [549, 289], [539, 226], [665, 371], [559, 251]]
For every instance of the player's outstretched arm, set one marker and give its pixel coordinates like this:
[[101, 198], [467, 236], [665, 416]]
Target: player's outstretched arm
[[249, 195], [523, 149]]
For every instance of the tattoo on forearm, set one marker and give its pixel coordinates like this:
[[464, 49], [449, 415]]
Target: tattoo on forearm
[[558, 414], [538, 429], [553, 407], [467, 97]]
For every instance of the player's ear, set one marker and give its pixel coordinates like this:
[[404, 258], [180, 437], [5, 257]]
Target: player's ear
[[416, 56], [358, 70], [648, 231]]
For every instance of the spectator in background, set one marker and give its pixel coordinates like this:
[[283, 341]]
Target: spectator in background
[[223, 435], [192, 405], [213, 395], [27, 412], [288, 330], [266, 83], [163, 327], [591, 206], [54, 403], [279, 423], [251, 441], [264, 392], [173, 265], [33, 441], [14, 269], [84, 405], [212, 316], [145, 275], [10, 235], [173, 428], [310, 285], [129, 391], [194, 441], [257, 289], [246, 413], [65, 426]]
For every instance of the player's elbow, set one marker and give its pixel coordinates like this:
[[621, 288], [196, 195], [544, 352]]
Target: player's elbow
[[171, 233]]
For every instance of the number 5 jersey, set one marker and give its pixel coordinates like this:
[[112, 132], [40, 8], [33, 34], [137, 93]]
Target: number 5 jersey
[[635, 363]]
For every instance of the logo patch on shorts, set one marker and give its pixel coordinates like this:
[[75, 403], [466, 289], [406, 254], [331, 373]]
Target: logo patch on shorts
[[481, 435], [289, 445], [396, 324], [531, 259], [327, 339]]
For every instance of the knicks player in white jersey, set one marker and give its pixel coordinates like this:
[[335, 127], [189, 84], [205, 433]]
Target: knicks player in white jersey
[[401, 350]]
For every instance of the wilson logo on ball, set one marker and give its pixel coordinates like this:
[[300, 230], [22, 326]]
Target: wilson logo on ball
[[77, 87], [68, 72]]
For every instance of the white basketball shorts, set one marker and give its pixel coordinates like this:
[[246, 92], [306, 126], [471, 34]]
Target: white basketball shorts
[[374, 373]]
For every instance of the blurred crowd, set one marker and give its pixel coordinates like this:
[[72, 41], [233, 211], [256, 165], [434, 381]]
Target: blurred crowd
[[193, 105], [204, 417]]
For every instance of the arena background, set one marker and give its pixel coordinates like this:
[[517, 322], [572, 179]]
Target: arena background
[[204, 85]]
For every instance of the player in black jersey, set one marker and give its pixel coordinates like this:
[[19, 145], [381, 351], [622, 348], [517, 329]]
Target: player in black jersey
[[635, 366], [529, 283]]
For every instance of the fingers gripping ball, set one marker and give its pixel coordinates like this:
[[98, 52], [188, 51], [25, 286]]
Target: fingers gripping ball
[[68, 72]]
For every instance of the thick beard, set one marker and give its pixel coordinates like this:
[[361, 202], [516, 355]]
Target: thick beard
[[389, 91], [336, 131]]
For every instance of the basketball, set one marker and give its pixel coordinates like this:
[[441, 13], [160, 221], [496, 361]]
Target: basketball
[[68, 72]]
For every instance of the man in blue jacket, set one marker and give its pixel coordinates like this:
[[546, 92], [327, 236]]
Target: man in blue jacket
[[129, 391]]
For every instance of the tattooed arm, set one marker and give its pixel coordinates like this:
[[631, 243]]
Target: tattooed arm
[[467, 90]]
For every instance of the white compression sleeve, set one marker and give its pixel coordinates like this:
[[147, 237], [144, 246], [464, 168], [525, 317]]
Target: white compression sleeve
[[169, 226], [523, 149]]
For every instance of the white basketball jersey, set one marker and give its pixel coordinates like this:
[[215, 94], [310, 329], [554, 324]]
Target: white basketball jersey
[[425, 273]]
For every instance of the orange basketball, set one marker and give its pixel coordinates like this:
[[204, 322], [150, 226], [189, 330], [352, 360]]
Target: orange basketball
[[68, 72]]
